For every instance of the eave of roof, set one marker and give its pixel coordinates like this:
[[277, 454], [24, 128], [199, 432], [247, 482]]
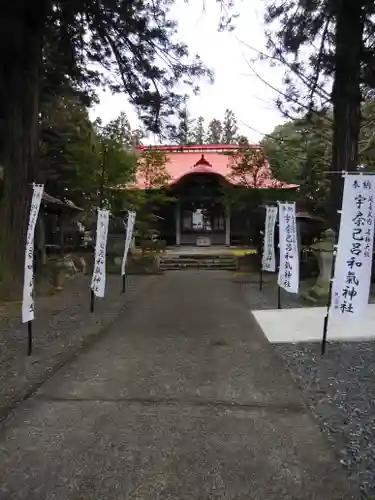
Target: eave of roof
[[183, 160], [195, 148]]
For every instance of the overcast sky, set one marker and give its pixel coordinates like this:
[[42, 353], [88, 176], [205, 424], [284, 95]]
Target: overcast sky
[[235, 87]]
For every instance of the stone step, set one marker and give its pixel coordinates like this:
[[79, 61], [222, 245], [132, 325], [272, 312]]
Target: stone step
[[181, 268], [198, 256], [198, 263], [189, 263]]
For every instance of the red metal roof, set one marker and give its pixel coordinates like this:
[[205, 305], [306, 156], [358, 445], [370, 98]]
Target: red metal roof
[[193, 147], [185, 160]]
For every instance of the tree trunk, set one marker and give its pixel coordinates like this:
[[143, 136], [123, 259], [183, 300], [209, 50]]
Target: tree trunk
[[21, 35], [346, 97]]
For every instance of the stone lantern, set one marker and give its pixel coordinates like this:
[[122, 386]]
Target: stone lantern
[[323, 251]]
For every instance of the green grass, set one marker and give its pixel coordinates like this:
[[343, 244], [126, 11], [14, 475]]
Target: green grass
[[244, 251]]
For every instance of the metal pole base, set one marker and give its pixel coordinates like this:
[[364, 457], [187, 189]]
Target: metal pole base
[[278, 297], [324, 340], [92, 301], [29, 338]]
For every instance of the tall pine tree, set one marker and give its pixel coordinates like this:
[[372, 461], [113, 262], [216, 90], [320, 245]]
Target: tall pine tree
[[184, 133], [198, 131], [214, 132], [230, 128]]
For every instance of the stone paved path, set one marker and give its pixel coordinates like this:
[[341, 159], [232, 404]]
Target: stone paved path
[[181, 399]]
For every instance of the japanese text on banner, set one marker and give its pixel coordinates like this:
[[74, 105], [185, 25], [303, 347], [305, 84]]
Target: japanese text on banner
[[289, 259], [98, 276], [352, 276], [268, 258], [129, 235], [28, 284]]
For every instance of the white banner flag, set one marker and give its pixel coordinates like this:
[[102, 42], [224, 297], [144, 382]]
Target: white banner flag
[[28, 283], [289, 258], [269, 259], [352, 276], [129, 235], [98, 276]]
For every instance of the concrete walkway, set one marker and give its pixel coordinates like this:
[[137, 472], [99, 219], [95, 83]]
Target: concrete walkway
[[305, 324], [183, 398]]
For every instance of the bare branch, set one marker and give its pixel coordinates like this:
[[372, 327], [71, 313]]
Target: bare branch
[[320, 57], [280, 139], [323, 94], [288, 98]]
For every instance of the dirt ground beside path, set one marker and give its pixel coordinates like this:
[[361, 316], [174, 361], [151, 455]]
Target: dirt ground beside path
[[182, 398], [62, 326]]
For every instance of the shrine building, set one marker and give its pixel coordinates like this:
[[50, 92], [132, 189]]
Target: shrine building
[[198, 174]]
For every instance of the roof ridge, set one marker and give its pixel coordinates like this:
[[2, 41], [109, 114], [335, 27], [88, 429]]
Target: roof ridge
[[196, 147]]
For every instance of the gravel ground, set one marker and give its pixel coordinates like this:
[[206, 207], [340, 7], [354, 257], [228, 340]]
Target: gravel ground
[[267, 297], [62, 325], [339, 388]]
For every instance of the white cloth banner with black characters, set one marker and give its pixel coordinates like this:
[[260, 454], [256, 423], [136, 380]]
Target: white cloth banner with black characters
[[28, 283], [289, 259], [352, 276], [269, 258], [98, 275], [129, 235]]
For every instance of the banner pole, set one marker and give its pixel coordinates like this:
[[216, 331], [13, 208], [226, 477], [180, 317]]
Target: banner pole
[[329, 299], [92, 301], [29, 338], [129, 226], [278, 296], [101, 205], [333, 267], [278, 267], [277, 281], [123, 283], [28, 294], [92, 294], [123, 280], [123, 276], [261, 252]]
